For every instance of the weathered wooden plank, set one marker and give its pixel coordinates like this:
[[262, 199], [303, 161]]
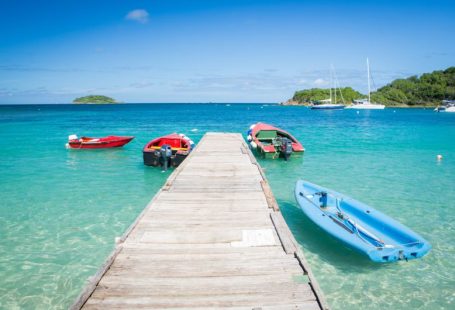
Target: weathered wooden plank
[[227, 281], [213, 237], [194, 301], [288, 245], [198, 248], [203, 196], [196, 261], [207, 271], [213, 290], [271, 201], [206, 257], [203, 208], [188, 215]]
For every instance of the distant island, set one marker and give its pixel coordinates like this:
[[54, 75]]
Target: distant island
[[95, 99], [429, 89]]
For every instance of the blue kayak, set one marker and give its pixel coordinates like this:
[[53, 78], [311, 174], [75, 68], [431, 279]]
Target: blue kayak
[[358, 225]]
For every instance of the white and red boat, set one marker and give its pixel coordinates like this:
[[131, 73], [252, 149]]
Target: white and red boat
[[273, 142], [167, 151], [97, 143]]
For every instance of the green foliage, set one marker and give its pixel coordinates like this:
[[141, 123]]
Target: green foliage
[[318, 94], [94, 99], [428, 89]]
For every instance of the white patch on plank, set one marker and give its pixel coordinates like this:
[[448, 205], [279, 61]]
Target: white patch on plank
[[258, 237]]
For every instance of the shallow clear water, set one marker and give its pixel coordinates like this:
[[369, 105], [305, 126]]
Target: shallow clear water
[[60, 210]]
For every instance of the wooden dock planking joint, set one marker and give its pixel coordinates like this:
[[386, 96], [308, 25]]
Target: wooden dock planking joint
[[212, 237]]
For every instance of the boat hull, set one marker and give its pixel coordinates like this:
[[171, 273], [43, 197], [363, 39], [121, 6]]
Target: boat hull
[[154, 159], [445, 109], [359, 226], [273, 155], [180, 147], [366, 106], [99, 143], [328, 107]]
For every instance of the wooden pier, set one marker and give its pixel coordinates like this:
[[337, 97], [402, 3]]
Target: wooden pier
[[212, 237]]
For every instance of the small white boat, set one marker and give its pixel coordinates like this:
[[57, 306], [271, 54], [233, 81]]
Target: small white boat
[[366, 104], [447, 106]]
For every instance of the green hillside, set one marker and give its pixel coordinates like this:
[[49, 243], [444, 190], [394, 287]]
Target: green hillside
[[317, 94], [428, 89]]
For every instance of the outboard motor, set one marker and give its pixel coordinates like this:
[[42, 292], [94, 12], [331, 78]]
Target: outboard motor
[[165, 154], [286, 148]]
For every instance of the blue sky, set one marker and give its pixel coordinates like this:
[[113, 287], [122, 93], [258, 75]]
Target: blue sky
[[217, 50]]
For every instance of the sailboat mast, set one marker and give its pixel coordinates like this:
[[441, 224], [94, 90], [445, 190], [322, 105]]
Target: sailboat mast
[[331, 82], [334, 84], [368, 70]]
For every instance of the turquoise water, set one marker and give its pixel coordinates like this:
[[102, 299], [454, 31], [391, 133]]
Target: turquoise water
[[60, 210]]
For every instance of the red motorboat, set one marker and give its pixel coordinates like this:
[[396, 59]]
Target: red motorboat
[[167, 151], [97, 143], [273, 142]]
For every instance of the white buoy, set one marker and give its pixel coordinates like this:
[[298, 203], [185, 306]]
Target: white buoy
[[253, 144], [439, 157], [249, 138]]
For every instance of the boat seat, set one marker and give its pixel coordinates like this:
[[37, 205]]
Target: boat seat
[[267, 135]]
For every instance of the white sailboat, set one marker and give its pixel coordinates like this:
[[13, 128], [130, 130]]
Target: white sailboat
[[365, 104], [447, 106], [327, 104]]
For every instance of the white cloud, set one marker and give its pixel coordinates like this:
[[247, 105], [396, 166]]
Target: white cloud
[[139, 15], [319, 82]]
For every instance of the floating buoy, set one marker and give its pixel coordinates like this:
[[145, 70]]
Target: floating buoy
[[249, 138], [253, 144], [439, 157]]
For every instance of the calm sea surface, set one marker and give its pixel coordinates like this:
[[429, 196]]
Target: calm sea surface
[[60, 210]]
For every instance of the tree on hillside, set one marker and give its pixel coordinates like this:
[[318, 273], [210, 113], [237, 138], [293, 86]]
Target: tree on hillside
[[318, 94]]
